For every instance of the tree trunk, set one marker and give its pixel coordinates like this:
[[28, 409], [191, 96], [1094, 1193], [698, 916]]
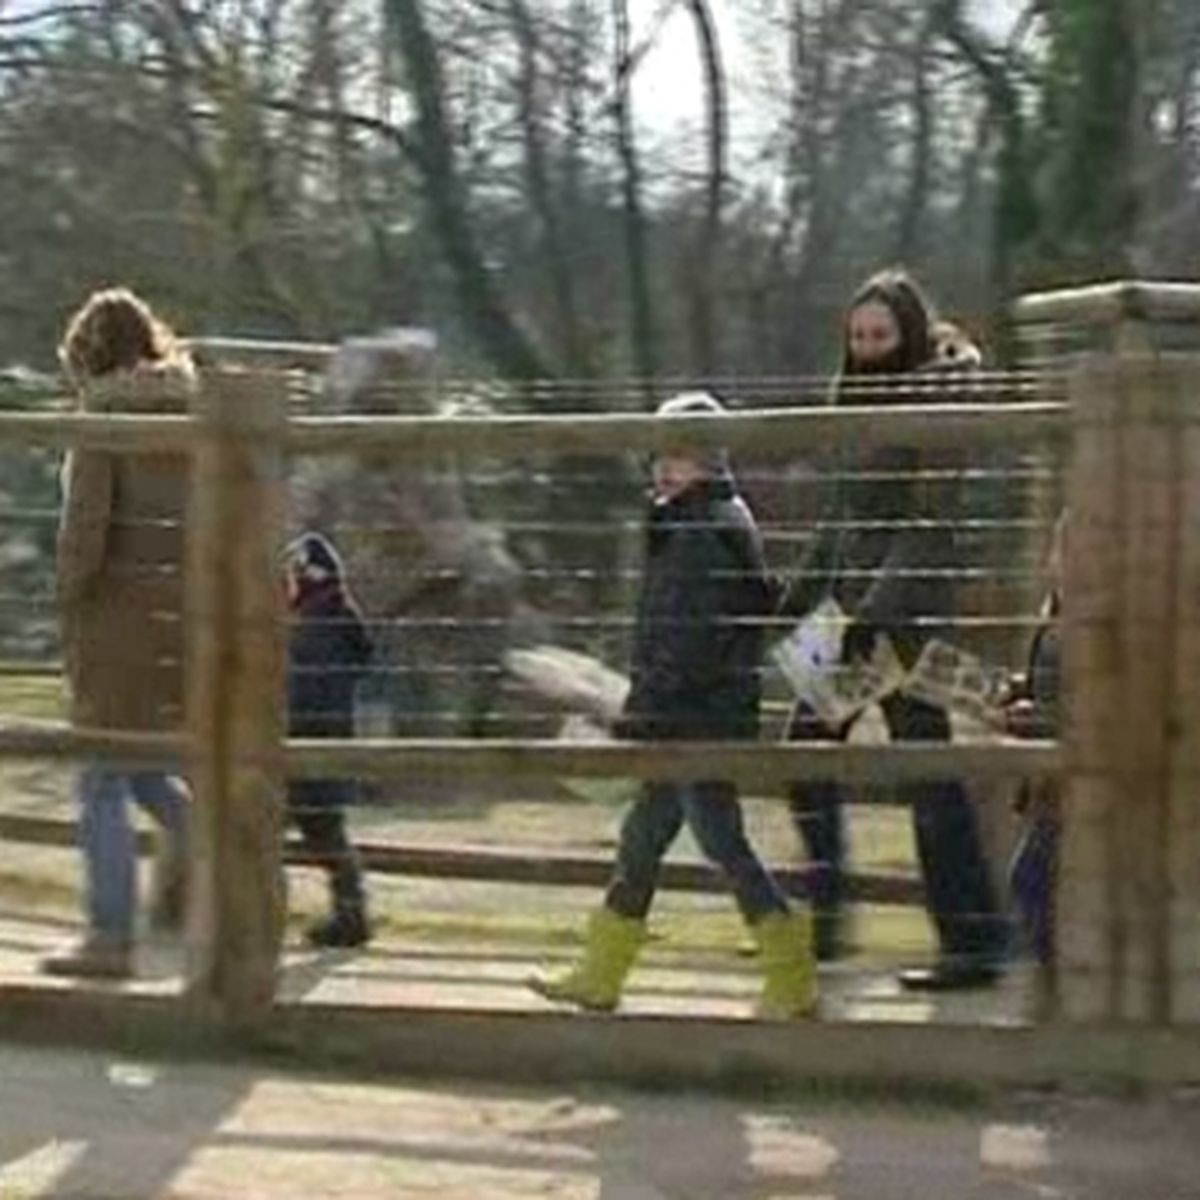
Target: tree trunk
[[704, 323], [478, 295], [645, 340], [541, 194]]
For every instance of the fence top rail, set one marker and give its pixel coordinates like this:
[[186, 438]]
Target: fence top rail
[[790, 430], [785, 430], [117, 433], [277, 353], [1108, 303]]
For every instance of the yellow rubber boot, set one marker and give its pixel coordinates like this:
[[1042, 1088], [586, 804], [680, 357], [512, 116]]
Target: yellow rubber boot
[[596, 981], [789, 966]]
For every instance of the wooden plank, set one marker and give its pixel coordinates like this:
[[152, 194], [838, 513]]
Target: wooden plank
[[1147, 488], [118, 433], [59, 740], [516, 865], [277, 354], [1183, 816], [749, 763], [1120, 873], [782, 431], [235, 707], [754, 763], [544, 1047], [1086, 955], [1110, 303]]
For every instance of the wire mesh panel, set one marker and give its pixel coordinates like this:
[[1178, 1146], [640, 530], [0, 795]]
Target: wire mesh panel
[[498, 586]]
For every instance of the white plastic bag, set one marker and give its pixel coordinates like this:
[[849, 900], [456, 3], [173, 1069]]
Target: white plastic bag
[[810, 658]]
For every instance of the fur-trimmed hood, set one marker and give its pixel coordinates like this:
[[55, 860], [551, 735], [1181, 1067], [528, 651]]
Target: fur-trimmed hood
[[165, 387]]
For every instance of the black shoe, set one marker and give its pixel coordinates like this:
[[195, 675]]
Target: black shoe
[[344, 930], [951, 975]]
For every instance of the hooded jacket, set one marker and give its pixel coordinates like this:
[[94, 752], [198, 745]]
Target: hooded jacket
[[328, 648], [697, 642]]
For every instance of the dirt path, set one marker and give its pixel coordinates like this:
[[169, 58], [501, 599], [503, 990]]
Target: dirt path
[[81, 1125]]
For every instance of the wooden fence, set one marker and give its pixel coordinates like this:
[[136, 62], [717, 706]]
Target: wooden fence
[[1130, 881]]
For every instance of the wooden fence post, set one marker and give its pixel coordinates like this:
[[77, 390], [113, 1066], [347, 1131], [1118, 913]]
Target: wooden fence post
[[1122, 492], [1129, 876], [235, 696]]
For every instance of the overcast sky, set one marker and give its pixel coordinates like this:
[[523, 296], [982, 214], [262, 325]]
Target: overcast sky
[[669, 87]]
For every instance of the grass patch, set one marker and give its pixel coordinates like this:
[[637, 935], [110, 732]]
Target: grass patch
[[36, 696]]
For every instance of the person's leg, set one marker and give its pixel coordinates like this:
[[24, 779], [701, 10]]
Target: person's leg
[[817, 811], [961, 902], [319, 810], [616, 930], [1032, 880], [165, 798], [651, 824], [110, 883], [714, 816]]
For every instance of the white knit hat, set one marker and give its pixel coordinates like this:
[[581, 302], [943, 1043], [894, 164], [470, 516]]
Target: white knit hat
[[697, 404]]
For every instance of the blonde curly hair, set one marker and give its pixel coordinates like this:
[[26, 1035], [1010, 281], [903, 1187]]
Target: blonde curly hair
[[115, 330]]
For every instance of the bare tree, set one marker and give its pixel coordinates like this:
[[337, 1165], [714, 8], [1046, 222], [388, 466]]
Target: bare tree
[[704, 324], [637, 253]]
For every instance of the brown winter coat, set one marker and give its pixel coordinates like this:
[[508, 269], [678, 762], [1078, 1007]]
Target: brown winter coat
[[120, 565]]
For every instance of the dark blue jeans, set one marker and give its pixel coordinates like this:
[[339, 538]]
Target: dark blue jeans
[[958, 889], [714, 815]]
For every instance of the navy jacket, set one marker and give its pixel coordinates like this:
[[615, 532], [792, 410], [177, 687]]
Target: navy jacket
[[697, 643], [328, 653]]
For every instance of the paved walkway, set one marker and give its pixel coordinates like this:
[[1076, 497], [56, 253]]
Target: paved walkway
[[483, 976], [86, 1125]]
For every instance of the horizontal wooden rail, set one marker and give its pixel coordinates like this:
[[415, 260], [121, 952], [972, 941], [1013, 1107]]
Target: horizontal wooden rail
[[872, 1060], [255, 352], [784, 430], [748, 763], [118, 433], [59, 740], [779, 430], [1110, 302], [520, 865]]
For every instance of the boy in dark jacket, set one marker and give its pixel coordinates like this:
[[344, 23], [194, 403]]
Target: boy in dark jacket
[[695, 677], [328, 652]]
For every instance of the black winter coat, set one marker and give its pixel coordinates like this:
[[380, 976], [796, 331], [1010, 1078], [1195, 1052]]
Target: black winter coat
[[885, 549], [328, 653], [697, 645]]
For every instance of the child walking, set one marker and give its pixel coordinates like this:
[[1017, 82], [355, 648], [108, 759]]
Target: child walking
[[328, 653], [695, 676]]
